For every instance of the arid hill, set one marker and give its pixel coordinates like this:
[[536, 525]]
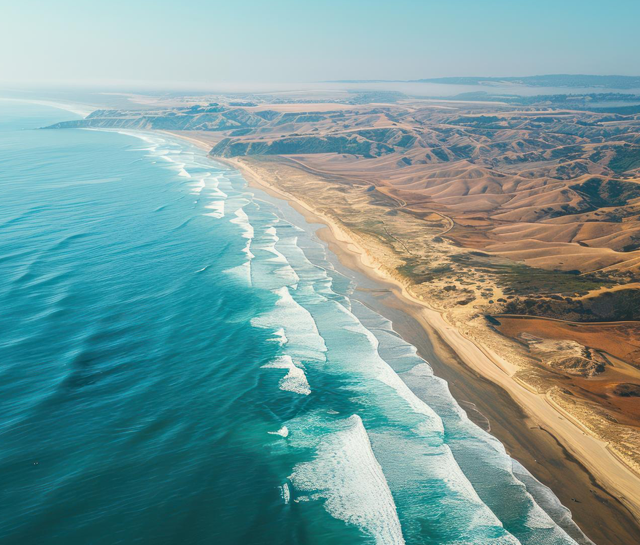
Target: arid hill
[[551, 189]]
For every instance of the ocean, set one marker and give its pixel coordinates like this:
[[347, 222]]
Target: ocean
[[181, 361]]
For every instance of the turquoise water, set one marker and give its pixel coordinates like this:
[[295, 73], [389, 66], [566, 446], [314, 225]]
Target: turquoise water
[[180, 362]]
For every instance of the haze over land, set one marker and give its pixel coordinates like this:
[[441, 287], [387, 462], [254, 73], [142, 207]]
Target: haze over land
[[475, 165]]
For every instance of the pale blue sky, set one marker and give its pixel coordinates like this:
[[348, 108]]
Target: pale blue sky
[[210, 42]]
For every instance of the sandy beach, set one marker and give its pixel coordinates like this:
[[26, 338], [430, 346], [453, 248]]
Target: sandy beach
[[602, 492]]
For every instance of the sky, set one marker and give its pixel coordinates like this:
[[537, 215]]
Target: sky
[[206, 43]]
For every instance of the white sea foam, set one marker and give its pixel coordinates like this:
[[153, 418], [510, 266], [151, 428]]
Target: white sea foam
[[547, 500], [216, 192], [314, 283], [347, 476], [247, 250], [429, 486], [154, 140], [242, 220], [305, 341], [295, 380], [198, 186], [214, 187], [487, 455], [217, 209], [178, 166], [282, 432], [279, 337], [360, 360], [277, 256], [285, 493], [275, 271], [384, 373], [241, 272]]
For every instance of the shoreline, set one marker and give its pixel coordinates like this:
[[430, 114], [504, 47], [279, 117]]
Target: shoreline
[[525, 422]]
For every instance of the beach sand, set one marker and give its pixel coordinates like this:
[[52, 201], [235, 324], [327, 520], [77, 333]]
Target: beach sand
[[602, 493]]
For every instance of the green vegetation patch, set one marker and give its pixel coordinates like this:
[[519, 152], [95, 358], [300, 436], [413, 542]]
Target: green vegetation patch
[[566, 152], [599, 193], [418, 272], [626, 158], [623, 305], [301, 145], [440, 154], [476, 120], [464, 151], [520, 279]]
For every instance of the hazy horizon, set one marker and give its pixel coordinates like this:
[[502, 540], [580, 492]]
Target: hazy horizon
[[200, 44]]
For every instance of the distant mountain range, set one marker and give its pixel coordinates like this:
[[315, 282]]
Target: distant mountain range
[[554, 80]]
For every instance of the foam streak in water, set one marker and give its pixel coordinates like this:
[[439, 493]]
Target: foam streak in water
[[295, 380], [346, 474]]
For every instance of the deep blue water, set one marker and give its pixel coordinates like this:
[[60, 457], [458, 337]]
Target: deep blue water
[[180, 363]]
